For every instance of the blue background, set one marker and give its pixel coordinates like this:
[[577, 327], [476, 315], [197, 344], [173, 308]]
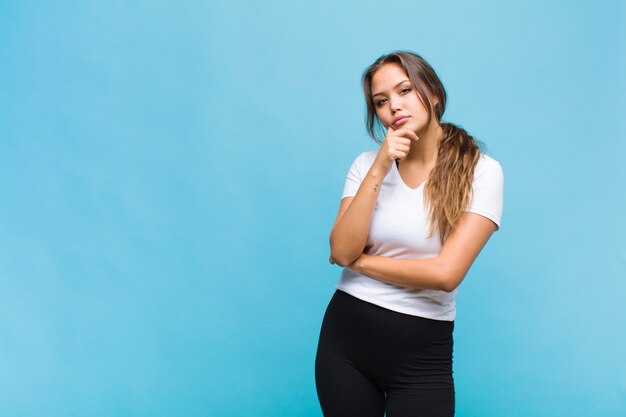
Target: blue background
[[170, 172]]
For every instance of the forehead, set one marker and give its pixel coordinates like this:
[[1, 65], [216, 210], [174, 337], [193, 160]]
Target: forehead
[[387, 77]]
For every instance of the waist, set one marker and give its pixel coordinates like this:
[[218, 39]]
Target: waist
[[432, 304]]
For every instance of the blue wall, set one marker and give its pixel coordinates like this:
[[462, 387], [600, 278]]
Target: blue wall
[[170, 172]]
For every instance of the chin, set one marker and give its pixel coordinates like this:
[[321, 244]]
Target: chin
[[416, 129]]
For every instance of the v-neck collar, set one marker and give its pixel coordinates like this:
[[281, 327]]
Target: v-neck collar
[[395, 165]]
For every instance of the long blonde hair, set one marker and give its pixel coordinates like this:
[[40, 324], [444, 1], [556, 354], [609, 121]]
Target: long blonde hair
[[448, 191]]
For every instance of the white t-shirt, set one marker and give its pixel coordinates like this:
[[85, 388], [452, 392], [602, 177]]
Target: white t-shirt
[[399, 228]]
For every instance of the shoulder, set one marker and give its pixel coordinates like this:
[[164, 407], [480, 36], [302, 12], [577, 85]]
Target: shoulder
[[368, 156], [487, 160], [364, 160], [487, 166]]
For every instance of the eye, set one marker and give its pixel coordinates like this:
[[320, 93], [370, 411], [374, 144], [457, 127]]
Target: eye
[[405, 89], [380, 102]]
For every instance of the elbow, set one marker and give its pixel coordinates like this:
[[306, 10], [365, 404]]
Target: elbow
[[341, 260], [449, 280], [343, 255], [448, 285]]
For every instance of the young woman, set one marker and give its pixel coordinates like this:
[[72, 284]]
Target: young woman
[[414, 215]]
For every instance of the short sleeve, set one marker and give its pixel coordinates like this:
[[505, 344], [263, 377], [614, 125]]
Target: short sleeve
[[354, 178], [488, 190]]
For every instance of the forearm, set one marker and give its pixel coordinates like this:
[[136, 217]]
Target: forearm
[[426, 273], [349, 235]]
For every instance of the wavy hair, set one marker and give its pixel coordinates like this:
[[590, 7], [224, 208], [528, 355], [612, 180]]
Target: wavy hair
[[448, 191]]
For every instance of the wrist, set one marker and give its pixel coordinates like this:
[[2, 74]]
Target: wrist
[[382, 165], [379, 170]]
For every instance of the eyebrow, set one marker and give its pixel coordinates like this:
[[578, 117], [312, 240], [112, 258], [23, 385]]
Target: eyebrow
[[401, 82]]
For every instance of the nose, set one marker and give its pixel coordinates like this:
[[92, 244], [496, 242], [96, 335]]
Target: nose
[[395, 103]]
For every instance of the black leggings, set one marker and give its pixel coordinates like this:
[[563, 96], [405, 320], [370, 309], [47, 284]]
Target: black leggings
[[371, 359]]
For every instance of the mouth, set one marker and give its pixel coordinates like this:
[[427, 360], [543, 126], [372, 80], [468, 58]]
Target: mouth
[[400, 120]]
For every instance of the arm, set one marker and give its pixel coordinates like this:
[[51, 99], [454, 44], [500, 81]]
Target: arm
[[444, 272], [349, 234]]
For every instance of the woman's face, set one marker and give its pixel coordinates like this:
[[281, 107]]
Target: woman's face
[[396, 101]]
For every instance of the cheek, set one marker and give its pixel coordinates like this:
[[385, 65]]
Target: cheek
[[417, 103], [381, 113]]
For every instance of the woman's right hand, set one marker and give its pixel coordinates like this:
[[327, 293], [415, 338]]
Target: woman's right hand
[[396, 145]]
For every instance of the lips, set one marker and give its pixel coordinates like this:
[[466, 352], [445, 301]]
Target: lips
[[400, 120]]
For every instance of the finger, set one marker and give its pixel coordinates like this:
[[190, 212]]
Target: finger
[[403, 148], [413, 136], [407, 133], [400, 141], [399, 155]]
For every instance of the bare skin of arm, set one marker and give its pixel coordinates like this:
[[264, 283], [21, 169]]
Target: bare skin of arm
[[349, 234], [444, 272]]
